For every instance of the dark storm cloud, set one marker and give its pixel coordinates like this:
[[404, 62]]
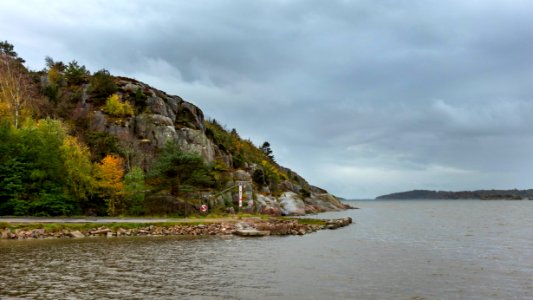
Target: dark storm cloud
[[361, 97]]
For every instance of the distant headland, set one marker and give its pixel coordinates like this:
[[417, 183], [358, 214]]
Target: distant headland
[[480, 194]]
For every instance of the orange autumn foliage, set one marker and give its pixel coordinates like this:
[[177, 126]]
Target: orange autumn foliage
[[110, 172]]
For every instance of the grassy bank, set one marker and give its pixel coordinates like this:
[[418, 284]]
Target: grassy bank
[[114, 226]]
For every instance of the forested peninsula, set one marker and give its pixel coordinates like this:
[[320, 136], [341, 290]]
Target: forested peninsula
[[480, 194], [80, 143]]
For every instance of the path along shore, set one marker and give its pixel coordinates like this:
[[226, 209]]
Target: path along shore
[[41, 228]]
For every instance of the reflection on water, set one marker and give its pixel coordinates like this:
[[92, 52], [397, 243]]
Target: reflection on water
[[396, 250]]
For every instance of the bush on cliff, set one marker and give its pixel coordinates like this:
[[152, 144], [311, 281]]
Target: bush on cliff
[[117, 108], [102, 84]]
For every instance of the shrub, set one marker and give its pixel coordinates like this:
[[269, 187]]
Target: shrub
[[259, 177], [115, 107], [305, 193], [76, 74], [101, 144], [102, 84], [140, 99]]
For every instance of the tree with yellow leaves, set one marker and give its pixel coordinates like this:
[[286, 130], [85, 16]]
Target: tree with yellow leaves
[[79, 179], [110, 172], [15, 89]]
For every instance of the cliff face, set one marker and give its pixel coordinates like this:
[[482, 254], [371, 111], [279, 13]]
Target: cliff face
[[160, 118]]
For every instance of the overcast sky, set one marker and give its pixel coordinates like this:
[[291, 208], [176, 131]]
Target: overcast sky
[[361, 98]]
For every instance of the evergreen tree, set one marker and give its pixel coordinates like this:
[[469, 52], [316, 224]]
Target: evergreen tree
[[134, 188], [8, 49], [265, 148], [76, 74], [178, 172]]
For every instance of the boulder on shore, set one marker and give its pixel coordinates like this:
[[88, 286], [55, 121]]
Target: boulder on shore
[[77, 234], [251, 232], [291, 204]]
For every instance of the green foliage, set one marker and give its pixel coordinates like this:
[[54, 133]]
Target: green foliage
[[53, 203], [273, 175], [102, 84], [76, 74], [134, 191], [241, 150], [219, 135], [259, 177], [52, 92], [55, 77], [220, 173], [306, 221], [8, 49], [268, 173], [305, 193], [51, 64], [115, 107], [140, 99], [101, 144], [36, 174], [178, 172], [265, 148]]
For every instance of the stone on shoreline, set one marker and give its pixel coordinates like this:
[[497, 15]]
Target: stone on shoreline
[[337, 223], [251, 232], [77, 234]]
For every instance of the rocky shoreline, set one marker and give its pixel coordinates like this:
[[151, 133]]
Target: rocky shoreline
[[246, 227]]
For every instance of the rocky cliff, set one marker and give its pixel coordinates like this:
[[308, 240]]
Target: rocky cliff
[[159, 118]]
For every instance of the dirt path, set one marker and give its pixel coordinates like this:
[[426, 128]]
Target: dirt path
[[105, 220]]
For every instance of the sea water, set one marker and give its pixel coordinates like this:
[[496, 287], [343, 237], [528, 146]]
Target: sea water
[[434, 249]]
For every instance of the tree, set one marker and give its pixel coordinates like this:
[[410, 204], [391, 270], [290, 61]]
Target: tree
[[33, 179], [259, 177], [102, 84], [8, 49], [15, 90], [134, 190], [179, 172], [52, 64], [76, 74], [140, 99], [79, 179], [265, 148], [110, 172]]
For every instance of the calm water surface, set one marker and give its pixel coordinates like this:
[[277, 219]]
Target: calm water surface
[[396, 250]]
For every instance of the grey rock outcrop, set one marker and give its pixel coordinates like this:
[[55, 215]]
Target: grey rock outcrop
[[268, 205], [160, 118], [195, 140], [291, 204], [241, 175]]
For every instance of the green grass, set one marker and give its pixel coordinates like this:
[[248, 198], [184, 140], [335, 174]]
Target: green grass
[[55, 227], [305, 221], [197, 220]]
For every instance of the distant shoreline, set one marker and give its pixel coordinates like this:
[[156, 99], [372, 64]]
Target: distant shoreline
[[461, 195]]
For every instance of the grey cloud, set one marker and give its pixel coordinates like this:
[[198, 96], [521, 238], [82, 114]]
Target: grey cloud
[[362, 97]]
